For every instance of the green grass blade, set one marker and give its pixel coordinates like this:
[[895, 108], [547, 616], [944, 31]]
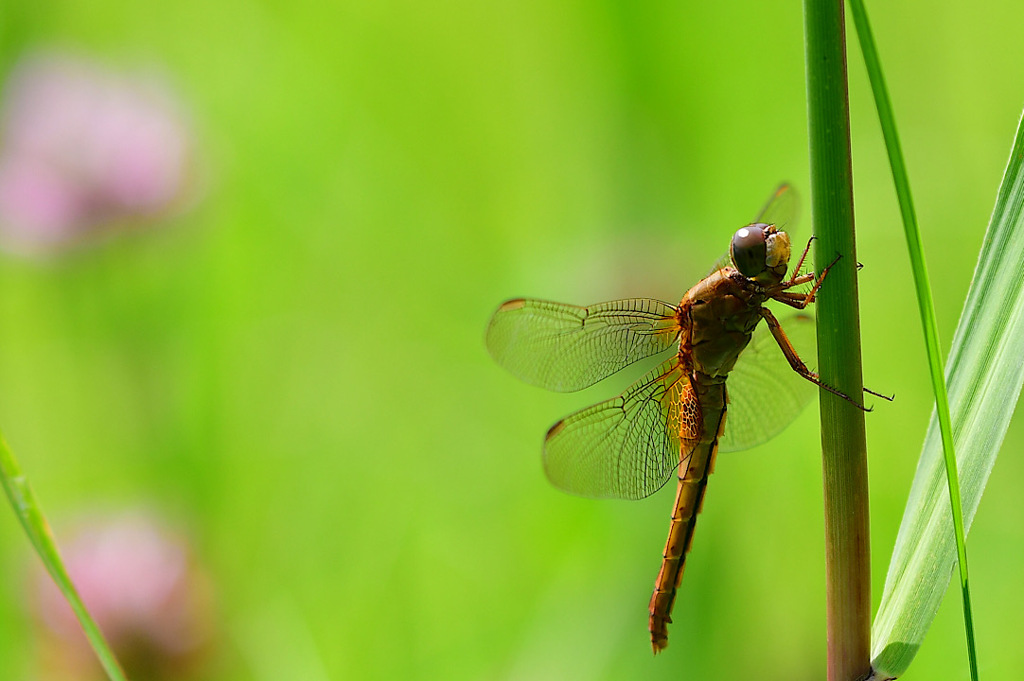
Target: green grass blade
[[926, 306], [23, 501], [984, 374]]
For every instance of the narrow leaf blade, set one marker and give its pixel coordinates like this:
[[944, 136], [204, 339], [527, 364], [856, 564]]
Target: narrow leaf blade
[[30, 515], [984, 375]]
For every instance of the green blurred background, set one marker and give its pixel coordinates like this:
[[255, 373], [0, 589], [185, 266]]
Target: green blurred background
[[295, 367]]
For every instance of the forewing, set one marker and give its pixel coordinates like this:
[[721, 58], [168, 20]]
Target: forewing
[[781, 208], [724, 260], [765, 394], [626, 447], [566, 347]]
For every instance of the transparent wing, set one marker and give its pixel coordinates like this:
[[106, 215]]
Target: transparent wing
[[781, 208], [626, 447], [765, 394], [567, 347], [725, 260]]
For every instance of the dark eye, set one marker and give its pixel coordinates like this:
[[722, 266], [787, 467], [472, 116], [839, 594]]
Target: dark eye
[[748, 250]]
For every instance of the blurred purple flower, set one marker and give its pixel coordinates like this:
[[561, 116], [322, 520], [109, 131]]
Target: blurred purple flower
[[82, 148], [150, 600]]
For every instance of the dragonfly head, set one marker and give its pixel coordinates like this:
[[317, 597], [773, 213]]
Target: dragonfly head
[[760, 252]]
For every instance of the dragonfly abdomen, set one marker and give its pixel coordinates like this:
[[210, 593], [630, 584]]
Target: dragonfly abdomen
[[700, 424]]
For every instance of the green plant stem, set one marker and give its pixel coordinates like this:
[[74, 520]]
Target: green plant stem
[[31, 517], [844, 450], [915, 248]]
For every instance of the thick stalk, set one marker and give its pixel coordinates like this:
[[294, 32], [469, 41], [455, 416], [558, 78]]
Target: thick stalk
[[844, 453]]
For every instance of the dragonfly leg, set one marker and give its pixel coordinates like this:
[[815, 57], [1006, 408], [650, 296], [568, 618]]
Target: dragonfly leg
[[802, 279], [794, 359], [797, 300], [801, 300], [800, 263]]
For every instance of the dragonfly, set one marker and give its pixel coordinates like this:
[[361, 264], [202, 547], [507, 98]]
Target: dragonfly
[[673, 419]]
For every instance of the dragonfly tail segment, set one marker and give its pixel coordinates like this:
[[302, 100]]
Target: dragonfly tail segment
[[702, 418]]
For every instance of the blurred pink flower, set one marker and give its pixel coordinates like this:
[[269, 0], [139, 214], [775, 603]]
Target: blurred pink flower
[[150, 600], [82, 148]]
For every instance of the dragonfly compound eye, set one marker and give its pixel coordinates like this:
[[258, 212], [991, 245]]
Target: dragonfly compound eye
[[749, 250]]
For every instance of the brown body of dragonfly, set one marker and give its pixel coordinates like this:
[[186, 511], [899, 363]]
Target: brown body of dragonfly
[[674, 418], [716, 320]]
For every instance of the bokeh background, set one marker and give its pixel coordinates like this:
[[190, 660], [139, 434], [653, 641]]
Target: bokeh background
[[283, 364]]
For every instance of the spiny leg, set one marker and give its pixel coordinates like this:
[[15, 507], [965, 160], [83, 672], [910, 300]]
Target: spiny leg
[[794, 359], [797, 300], [801, 300], [800, 263]]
